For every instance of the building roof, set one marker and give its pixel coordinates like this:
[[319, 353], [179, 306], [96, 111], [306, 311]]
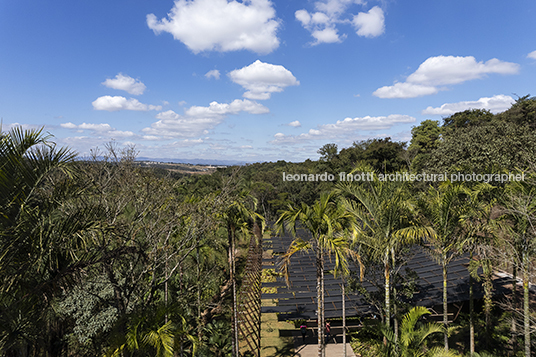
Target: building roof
[[298, 300]]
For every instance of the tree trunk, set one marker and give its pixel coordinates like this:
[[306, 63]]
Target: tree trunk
[[323, 305], [395, 309], [471, 313], [526, 303], [319, 268], [198, 293], [343, 318], [445, 305], [513, 341], [387, 273]]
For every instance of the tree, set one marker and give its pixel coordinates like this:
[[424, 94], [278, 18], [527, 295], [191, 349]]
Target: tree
[[477, 141], [444, 208], [236, 218], [518, 221], [424, 139], [328, 152], [382, 212], [383, 155], [36, 238], [323, 221]]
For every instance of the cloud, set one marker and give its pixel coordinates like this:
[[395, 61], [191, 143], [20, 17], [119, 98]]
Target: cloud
[[199, 120], [496, 104], [116, 103], [97, 129], [532, 55], [344, 129], [335, 6], [441, 71], [126, 83], [329, 14], [404, 90], [295, 124], [221, 25], [327, 35], [213, 74], [370, 24], [262, 79]]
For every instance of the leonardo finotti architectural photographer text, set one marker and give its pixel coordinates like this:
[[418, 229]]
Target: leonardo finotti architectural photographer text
[[404, 176]]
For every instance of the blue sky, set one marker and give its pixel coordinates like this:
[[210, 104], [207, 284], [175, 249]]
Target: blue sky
[[256, 80]]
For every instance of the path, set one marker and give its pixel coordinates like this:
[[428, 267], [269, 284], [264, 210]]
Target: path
[[310, 349]]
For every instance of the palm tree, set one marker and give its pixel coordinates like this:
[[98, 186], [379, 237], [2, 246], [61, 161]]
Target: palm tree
[[444, 207], [237, 219], [518, 221], [27, 159], [382, 212], [35, 260], [322, 220], [476, 235]]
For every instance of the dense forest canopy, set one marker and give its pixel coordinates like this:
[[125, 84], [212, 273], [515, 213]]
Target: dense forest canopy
[[105, 257]]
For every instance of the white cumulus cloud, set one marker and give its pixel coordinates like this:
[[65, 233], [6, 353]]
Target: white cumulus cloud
[[295, 124], [496, 104], [532, 55], [344, 129], [198, 120], [262, 79], [441, 71], [370, 24], [221, 25], [98, 129], [213, 74], [327, 35], [116, 103], [126, 83], [330, 14]]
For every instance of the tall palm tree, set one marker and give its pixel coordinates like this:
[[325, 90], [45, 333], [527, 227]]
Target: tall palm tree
[[237, 218], [518, 221], [477, 237], [322, 220], [382, 212], [444, 208]]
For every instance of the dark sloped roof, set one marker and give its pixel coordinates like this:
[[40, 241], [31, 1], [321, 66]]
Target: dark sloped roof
[[298, 300]]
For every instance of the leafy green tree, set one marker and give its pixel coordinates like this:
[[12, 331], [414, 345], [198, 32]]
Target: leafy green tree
[[383, 155], [328, 152], [477, 141], [467, 118], [424, 139]]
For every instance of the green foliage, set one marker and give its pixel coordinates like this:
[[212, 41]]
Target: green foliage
[[414, 337], [478, 141], [382, 155], [328, 152], [424, 139], [468, 118]]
